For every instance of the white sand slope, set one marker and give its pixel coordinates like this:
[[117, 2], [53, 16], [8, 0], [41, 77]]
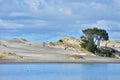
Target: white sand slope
[[21, 50]]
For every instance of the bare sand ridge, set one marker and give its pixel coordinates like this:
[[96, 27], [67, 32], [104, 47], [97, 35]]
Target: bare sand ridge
[[66, 50]]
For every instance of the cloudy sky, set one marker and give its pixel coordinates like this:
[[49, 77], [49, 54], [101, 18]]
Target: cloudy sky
[[47, 20]]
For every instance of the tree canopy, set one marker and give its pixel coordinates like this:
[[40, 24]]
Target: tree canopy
[[93, 37]]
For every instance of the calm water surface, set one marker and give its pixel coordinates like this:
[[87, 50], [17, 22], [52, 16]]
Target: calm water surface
[[59, 71]]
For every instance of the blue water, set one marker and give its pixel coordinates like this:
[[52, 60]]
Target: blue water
[[36, 71]]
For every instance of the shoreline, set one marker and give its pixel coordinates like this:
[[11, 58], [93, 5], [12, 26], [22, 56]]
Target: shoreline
[[6, 61]]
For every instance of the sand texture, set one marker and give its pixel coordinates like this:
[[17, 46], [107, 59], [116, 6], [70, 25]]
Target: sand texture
[[21, 50]]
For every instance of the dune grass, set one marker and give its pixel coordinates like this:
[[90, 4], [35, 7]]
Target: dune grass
[[20, 56], [76, 56], [9, 53], [2, 56]]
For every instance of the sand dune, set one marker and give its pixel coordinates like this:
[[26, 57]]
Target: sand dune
[[21, 50]]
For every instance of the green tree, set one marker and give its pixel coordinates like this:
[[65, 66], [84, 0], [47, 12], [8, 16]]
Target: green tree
[[92, 38], [91, 46]]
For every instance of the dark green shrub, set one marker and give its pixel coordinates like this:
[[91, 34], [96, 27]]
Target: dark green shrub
[[106, 53], [113, 51], [51, 43], [60, 40], [90, 46], [23, 39], [83, 45]]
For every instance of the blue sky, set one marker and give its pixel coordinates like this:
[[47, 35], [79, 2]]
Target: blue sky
[[49, 20]]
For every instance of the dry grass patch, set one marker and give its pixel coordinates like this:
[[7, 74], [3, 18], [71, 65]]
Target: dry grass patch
[[2, 56], [4, 45], [9, 53], [76, 56], [20, 56], [52, 43]]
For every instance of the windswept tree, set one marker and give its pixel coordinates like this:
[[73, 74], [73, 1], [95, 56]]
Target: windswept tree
[[92, 38]]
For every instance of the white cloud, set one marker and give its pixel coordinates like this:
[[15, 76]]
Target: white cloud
[[10, 25], [104, 24], [109, 25], [32, 4], [44, 7], [35, 23], [39, 23], [13, 14], [112, 27], [61, 9], [65, 11]]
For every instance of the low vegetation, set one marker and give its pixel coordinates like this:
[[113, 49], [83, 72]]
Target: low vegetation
[[91, 41], [9, 53], [4, 45], [2, 56], [105, 53], [52, 43], [23, 39], [61, 40], [21, 56], [76, 56]]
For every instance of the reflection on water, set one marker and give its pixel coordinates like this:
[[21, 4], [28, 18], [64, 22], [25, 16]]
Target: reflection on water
[[59, 71]]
